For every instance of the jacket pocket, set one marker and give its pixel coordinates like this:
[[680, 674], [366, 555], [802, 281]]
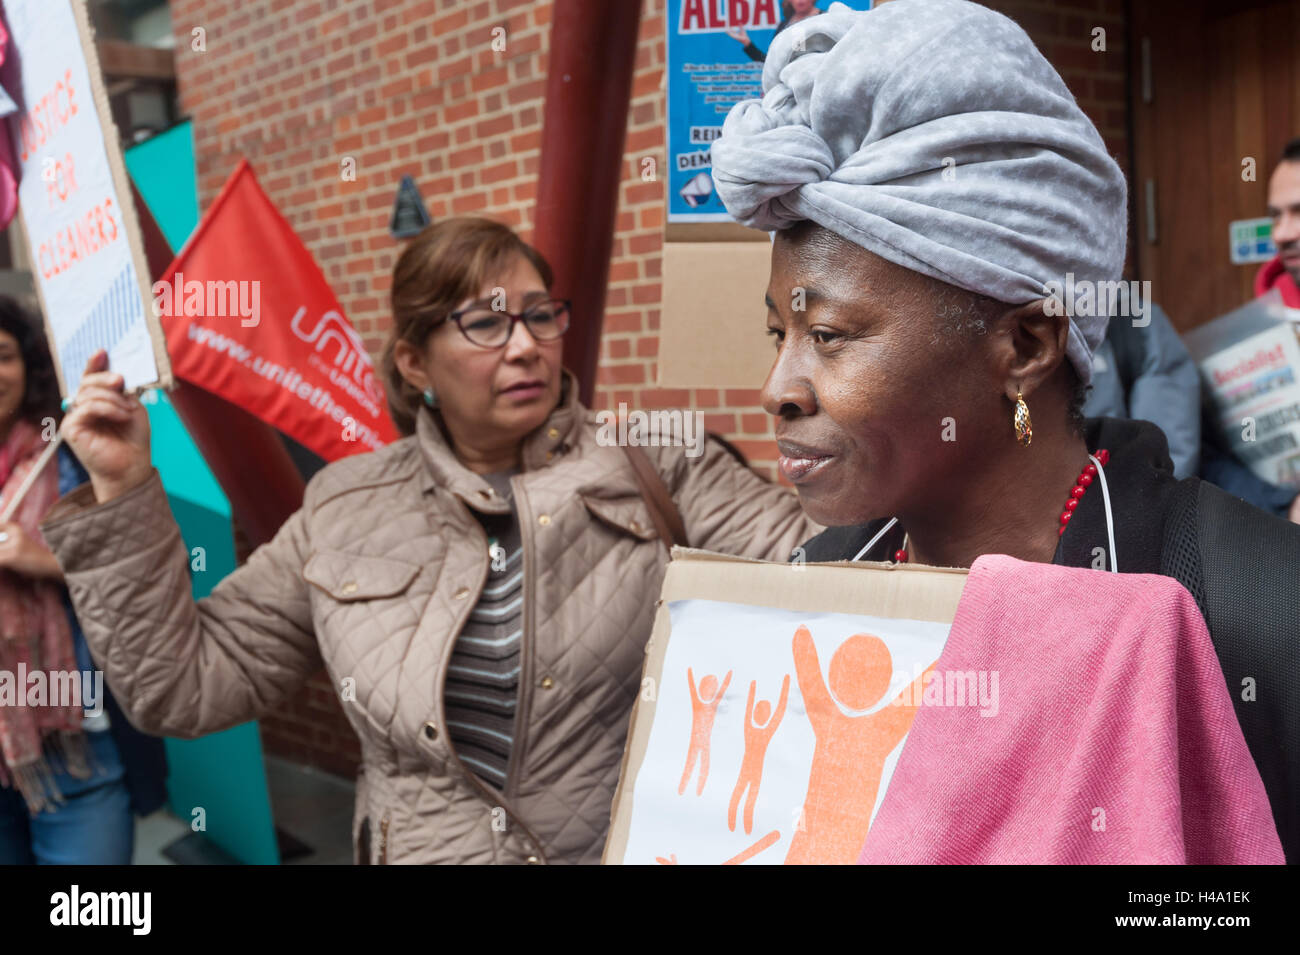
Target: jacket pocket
[[348, 577], [628, 514]]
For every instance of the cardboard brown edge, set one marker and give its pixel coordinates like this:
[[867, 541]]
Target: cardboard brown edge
[[712, 232], [701, 277], [952, 579], [126, 205], [638, 734], [694, 553]]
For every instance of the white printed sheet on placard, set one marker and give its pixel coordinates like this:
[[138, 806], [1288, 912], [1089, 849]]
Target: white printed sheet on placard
[[71, 208], [775, 733]]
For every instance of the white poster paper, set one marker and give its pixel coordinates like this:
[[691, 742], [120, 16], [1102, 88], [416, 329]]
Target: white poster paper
[[775, 733], [1257, 397], [75, 199]]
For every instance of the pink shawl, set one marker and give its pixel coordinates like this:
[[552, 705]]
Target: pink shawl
[[34, 636], [1115, 739]]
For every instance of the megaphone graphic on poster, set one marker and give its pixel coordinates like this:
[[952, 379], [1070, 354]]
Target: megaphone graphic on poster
[[697, 190]]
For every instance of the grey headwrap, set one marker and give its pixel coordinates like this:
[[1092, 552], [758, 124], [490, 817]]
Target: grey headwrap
[[934, 134]]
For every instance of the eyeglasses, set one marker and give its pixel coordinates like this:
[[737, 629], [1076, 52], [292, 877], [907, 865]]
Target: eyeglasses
[[546, 321]]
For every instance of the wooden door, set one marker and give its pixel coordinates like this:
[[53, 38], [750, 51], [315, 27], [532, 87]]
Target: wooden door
[[1213, 84]]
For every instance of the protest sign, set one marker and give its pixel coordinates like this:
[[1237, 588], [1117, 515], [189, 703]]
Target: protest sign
[[75, 198], [774, 705], [1250, 367]]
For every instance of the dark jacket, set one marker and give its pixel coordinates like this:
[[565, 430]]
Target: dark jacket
[[1240, 564], [1147, 373], [1221, 467]]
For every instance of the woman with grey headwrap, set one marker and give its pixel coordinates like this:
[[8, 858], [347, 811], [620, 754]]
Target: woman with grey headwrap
[[947, 228]]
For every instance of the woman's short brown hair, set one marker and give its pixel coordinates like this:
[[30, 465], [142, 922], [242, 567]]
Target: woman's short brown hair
[[441, 267]]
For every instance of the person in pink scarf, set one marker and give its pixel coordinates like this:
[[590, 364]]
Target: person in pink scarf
[[72, 770], [927, 216], [34, 629]]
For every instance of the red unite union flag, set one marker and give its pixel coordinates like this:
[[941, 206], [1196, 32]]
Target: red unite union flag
[[250, 318]]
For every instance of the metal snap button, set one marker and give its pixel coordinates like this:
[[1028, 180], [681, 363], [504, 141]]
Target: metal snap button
[[462, 593], [544, 520], [547, 683], [350, 587], [636, 527], [430, 731], [553, 433], [533, 860]]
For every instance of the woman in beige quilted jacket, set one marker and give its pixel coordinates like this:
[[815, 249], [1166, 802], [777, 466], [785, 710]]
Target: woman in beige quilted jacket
[[480, 592]]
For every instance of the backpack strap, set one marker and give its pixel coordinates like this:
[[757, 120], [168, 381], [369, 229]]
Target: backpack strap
[[1249, 561], [663, 512]]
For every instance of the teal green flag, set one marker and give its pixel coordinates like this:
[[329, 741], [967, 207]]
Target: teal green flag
[[219, 780]]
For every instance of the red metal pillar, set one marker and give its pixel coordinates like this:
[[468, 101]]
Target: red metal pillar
[[246, 455], [588, 85]]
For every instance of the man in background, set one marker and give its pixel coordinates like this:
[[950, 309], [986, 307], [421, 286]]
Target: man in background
[[1218, 465], [1283, 272], [1147, 372]]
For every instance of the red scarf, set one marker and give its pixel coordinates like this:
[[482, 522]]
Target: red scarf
[[34, 632], [1273, 275]]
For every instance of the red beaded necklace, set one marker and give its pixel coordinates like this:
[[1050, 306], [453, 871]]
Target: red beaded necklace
[[1080, 488]]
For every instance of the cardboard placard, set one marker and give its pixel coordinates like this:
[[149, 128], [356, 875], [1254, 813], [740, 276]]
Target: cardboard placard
[[712, 325], [769, 720], [75, 198]]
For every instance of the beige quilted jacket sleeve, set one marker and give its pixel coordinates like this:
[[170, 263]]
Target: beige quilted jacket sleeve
[[177, 667], [728, 508]]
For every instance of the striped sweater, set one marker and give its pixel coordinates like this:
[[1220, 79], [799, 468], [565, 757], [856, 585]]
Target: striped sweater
[[482, 688]]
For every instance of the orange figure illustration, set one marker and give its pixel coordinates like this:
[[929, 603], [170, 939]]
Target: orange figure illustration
[[849, 755], [704, 707], [760, 724], [770, 839]]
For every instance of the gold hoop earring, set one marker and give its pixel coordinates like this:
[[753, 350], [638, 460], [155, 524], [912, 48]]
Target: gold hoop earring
[[1024, 427]]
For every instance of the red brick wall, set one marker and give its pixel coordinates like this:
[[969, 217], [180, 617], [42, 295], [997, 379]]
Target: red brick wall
[[414, 87], [1062, 29]]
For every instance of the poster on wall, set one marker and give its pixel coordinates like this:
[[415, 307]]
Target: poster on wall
[[75, 198], [776, 702], [715, 54]]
